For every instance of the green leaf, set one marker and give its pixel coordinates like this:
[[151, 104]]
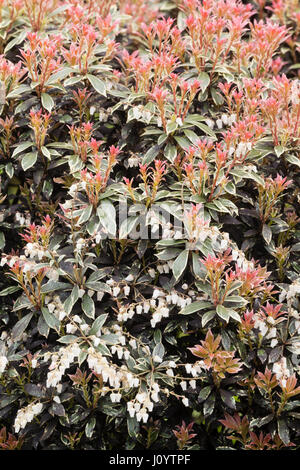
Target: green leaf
[[151, 154], [33, 390], [107, 216], [29, 160], [230, 188], [9, 290], [235, 285], [68, 339], [233, 314], [159, 350], [170, 152], [127, 226], [89, 427], [204, 393], [9, 168], [20, 90], [42, 327], [98, 84], [17, 40], [50, 319], [60, 75], [98, 323], [207, 317], [20, 148], [85, 215], [110, 339], [181, 20], [195, 307], [75, 163], [267, 233], [52, 286], [206, 129], [237, 300], [71, 300], [21, 326], [228, 399], [209, 405], [103, 349], [296, 247], [180, 263], [133, 427], [279, 150], [57, 409], [197, 266], [223, 313], [46, 153], [99, 274], [191, 135], [2, 240], [98, 286], [259, 422], [203, 77], [47, 102], [217, 97], [248, 174], [88, 306], [73, 80], [283, 431], [293, 160], [82, 356], [171, 127], [183, 142]]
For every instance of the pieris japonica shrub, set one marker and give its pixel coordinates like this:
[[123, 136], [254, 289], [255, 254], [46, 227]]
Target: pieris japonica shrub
[[150, 237]]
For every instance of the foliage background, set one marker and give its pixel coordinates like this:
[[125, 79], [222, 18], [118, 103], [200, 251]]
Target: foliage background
[[161, 342]]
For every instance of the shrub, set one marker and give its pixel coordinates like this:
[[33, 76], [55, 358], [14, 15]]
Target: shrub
[[149, 224]]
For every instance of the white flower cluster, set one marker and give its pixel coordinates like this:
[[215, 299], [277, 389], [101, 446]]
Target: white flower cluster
[[241, 149], [60, 362], [55, 306], [161, 311], [3, 363], [117, 289], [192, 384], [281, 371], [163, 300], [11, 260], [141, 114], [103, 114], [159, 305], [291, 293], [116, 376], [80, 243], [133, 161], [143, 403], [121, 352], [26, 415], [194, 369], [73, 326], [28, 266], [35, 250], [239, 257], [226, 119], [23, 219], [161, 268], [265, 328]]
